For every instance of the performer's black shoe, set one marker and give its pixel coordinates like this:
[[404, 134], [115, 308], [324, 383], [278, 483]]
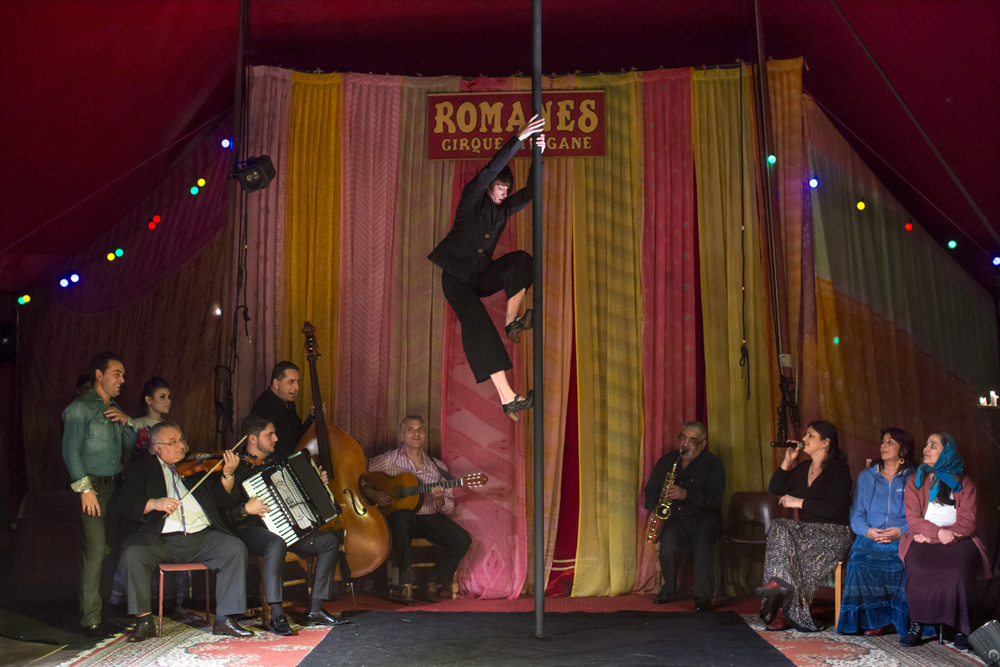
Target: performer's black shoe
[[322, 617], [662, 597], [279, 626], [914, 635], [102, 630], [701, 604], [231, 628], [511, 409], [144, 629], [429, 593], [519, 324], [962, 641]]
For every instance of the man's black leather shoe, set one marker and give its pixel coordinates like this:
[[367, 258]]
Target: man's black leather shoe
[[100, 631], [662, 597], [144, 629], [279, 626], [231, 628], [323, 618]]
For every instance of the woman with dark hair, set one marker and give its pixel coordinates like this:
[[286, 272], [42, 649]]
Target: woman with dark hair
[[801, 553], [941, 549], [874, 598], [154, 406]]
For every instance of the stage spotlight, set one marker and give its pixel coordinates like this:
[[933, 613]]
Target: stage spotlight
[[952, 244], [813, 182], [64, 282], [119, 252], [201, 182], [908, 226], [226, 143], [996, 261], [151, 225], [194, 189], [771, 159], [254, 174], [111, 256], [74, 277], [156, 218], [861, 205], [23, 299]]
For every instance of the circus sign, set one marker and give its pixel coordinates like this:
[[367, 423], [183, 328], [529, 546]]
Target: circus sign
[[473, 126]]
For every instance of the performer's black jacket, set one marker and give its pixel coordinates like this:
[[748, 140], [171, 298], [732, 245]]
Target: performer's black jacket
[[144, 481], [704, 480], [287, 425], [234, 515], [468, 247], [828, 500]]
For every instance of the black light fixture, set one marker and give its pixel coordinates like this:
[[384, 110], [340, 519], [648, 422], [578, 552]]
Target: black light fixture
[[253, 174]]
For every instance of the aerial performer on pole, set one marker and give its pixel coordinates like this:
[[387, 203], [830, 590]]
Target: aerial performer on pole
[[471, 273]]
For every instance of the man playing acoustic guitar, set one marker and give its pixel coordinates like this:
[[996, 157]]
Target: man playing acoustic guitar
[[429, 521]]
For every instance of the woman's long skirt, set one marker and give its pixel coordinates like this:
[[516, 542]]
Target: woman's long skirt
[[874, 588], [801, 555], [941, 583]]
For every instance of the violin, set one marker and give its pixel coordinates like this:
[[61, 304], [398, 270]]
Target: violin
[[198, 463]]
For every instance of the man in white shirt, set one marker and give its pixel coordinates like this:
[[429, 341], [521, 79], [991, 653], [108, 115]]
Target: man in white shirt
[[168, 530]]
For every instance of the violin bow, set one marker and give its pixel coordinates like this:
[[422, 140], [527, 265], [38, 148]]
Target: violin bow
[[214, 468]]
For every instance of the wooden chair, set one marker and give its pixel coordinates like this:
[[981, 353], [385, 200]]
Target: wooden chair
[[750, 516], [308, 565], [184, 567], [417, 543]]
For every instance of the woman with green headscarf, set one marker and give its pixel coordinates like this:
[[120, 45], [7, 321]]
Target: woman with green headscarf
[[941, 550]]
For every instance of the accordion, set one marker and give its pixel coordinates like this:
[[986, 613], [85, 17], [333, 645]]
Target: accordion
[[298, 499]]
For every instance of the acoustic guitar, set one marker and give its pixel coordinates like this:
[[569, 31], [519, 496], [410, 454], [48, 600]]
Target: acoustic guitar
[[407, 492]]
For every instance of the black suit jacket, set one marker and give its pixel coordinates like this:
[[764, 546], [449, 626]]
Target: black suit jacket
[[287, 425], [468, 247], [144, 481]]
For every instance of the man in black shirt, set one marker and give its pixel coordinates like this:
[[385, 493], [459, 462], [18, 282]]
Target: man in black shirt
[[695, 511], [244, 517], [277, 405]]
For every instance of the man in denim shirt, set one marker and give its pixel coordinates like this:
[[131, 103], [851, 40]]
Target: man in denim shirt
[[97, 436]]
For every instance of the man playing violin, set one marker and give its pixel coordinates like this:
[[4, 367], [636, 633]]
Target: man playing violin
[[244, 517], [174, 526], [430, 521], [277, 405], [97, 437]]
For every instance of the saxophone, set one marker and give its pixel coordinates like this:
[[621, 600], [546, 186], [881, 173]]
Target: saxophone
[[662, 511]]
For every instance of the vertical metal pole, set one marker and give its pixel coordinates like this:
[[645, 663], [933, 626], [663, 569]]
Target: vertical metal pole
[[539, 407]]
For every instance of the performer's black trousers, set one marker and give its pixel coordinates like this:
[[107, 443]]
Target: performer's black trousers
[[219, 551], [700, 532], [437, 528], [483, 346], [321, 544]]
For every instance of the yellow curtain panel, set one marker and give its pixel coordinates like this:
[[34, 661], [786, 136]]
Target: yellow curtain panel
[[607, 221], [312, 226]]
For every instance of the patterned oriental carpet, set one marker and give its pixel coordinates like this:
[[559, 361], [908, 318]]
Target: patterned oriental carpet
[[188, 642]]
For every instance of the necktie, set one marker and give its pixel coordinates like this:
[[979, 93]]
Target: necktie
[[177, 491]]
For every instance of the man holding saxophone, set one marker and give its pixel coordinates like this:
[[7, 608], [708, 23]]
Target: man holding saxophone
[[692, 504]]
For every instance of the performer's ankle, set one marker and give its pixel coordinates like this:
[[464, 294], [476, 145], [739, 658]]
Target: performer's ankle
[[316, 605], [276, 609]]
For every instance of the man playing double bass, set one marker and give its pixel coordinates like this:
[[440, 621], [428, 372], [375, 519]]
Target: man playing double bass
[[244, 518], [277, 405]]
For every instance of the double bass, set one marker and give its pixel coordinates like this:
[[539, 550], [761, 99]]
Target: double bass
[[365, 532]]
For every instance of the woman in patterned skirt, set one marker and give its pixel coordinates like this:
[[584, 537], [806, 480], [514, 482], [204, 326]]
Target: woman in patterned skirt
[[874, 597], [801, 553]]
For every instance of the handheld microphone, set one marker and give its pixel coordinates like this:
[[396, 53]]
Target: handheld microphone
[[784, 444]]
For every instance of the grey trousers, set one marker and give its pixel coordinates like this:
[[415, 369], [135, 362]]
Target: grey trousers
[[218, 550]]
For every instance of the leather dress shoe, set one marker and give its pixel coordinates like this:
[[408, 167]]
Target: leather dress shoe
[[144, 629], [231, 628], [779, 622], [406, 595], [279, 626], [322, 617], [662, 597], [429, 593], [878, 632], [519, 324], [511, 409]]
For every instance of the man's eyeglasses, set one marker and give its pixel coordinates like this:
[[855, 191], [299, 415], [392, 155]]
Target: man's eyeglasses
[[173, 443], [691, 441]]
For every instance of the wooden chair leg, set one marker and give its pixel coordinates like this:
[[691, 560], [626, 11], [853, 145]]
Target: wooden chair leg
[[838, 589], [160, 633]]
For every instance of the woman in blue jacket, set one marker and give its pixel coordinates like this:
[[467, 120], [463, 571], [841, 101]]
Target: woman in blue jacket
[[874, 598]]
